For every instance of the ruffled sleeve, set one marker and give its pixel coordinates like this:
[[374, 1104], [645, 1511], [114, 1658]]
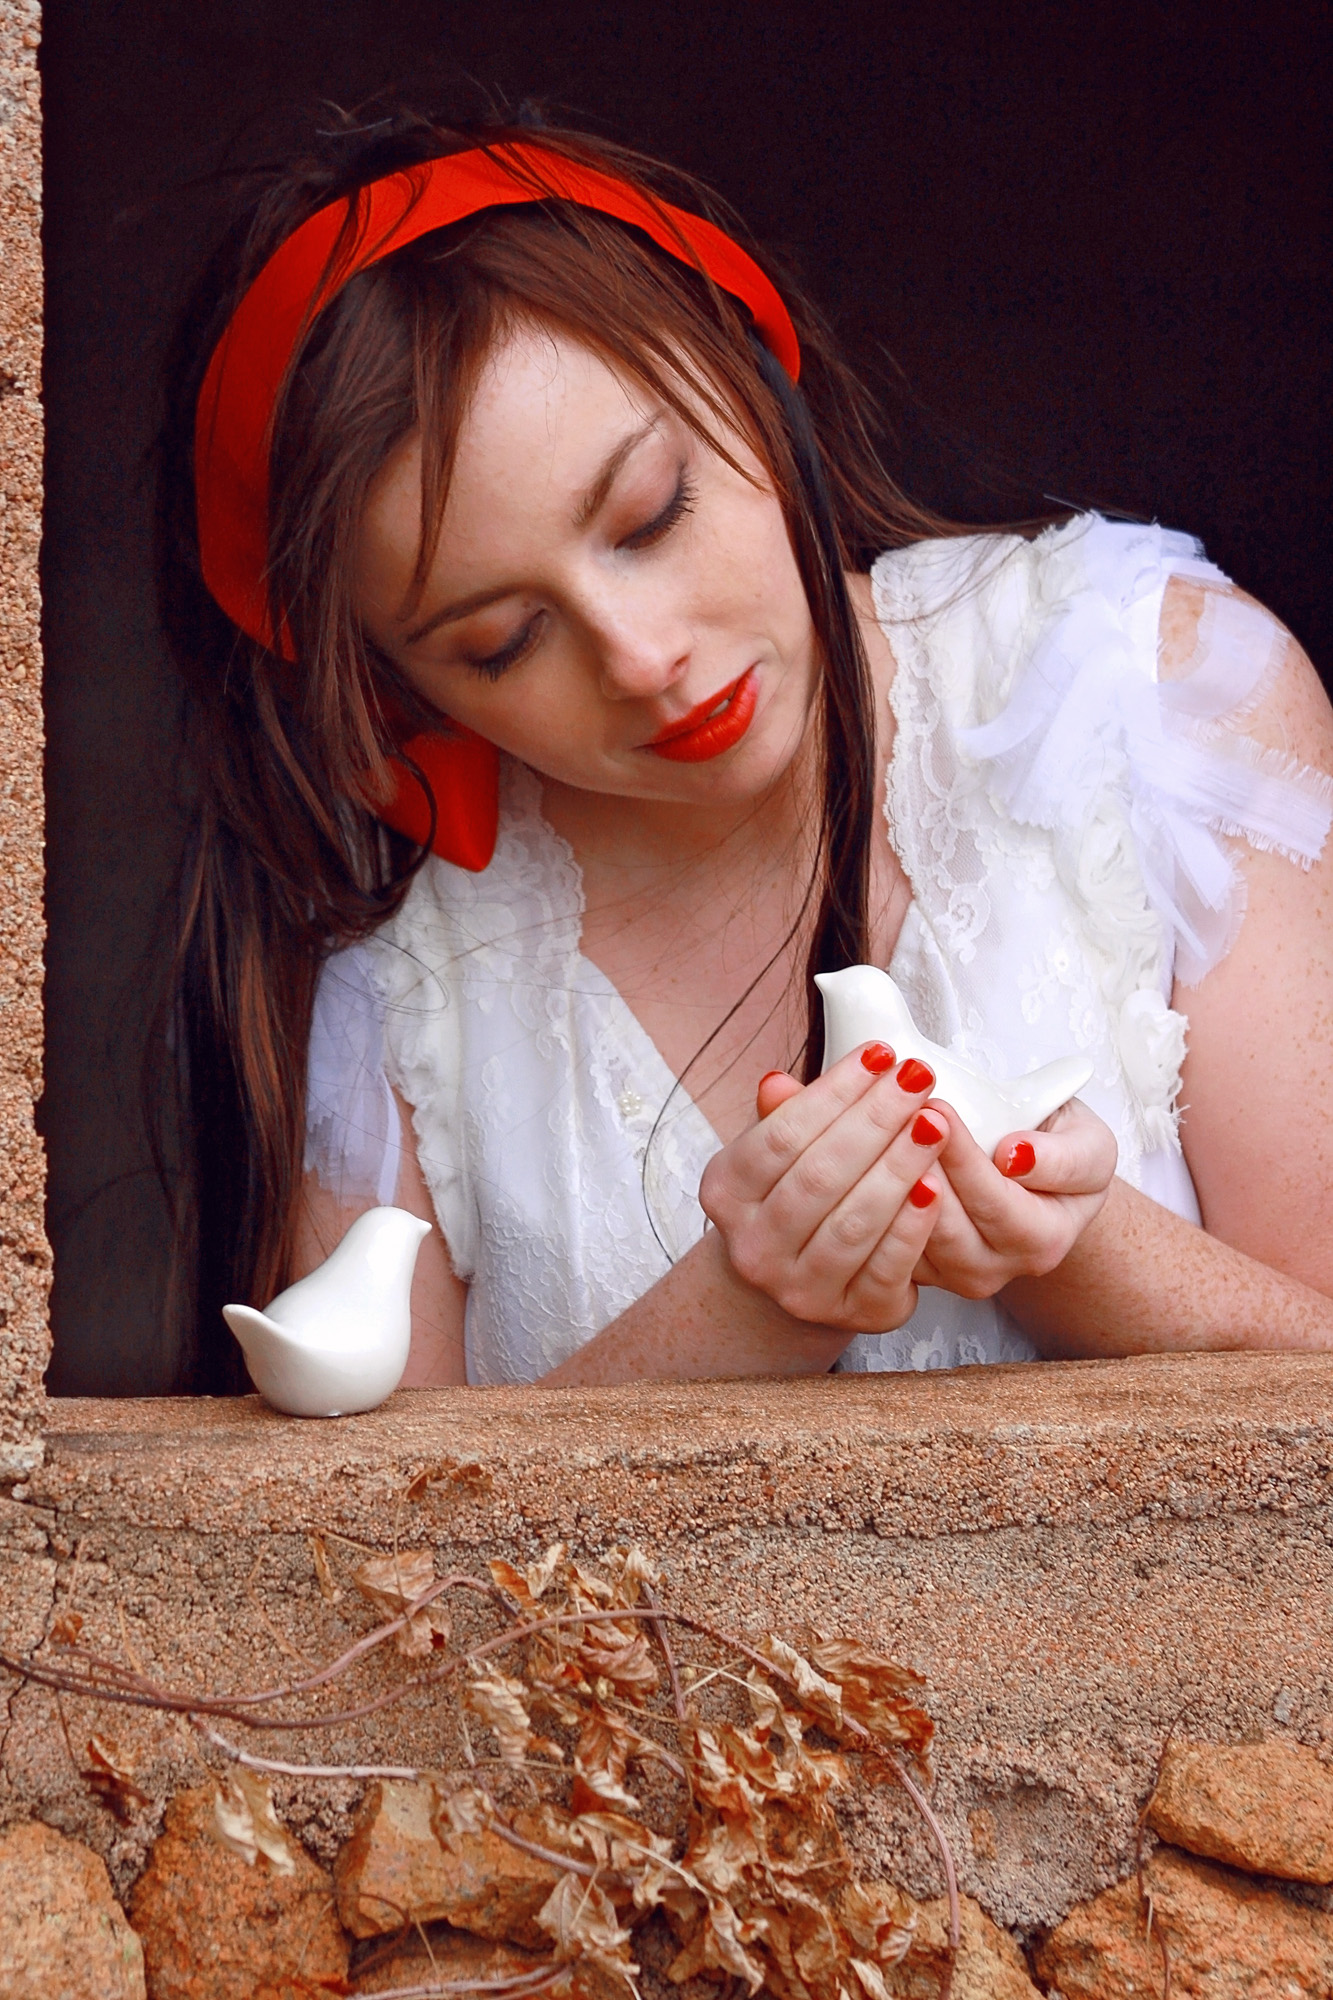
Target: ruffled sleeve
[[386, 1018], [1088, 698], [1066, 817], [352, 1140]]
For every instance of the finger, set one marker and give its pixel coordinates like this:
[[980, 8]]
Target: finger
[[753, 1165], [992, 1227], [957, 1257], [892, 1271], [997, 1204], [885, 1124], [774, 1091], [1077, 1154], [898, 1176]]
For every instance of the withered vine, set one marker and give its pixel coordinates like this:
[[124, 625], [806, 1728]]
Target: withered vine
[[584, 1695]]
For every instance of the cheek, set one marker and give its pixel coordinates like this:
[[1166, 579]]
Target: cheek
[[755, 555], [541, 714]]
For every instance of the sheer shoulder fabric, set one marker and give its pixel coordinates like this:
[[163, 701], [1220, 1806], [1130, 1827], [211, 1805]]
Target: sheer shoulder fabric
[[352, 1130]]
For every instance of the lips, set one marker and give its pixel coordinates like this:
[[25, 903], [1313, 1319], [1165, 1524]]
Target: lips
[[717, 724]]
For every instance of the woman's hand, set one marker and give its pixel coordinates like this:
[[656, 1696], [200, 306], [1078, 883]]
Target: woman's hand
[[1020, 1214], [822, 1206], [990, 1222]]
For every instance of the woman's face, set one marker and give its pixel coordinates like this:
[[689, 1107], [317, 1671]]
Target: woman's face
[[609, 600]]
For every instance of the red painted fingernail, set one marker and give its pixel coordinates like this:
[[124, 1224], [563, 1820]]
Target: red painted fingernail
[[878, 1058], [1022, 1158], [914, 1076], [921, 1196], [769, 1075], [925, 1131]]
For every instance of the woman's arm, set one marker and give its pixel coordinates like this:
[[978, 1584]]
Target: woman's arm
[[823, 1214], [1257, 1127], [818, 1236], [698, 1321]]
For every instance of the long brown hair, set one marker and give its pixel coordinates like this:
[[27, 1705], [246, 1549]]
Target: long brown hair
[[288, 860]]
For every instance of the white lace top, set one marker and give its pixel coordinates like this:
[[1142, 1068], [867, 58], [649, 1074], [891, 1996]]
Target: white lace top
[[1061, 816]]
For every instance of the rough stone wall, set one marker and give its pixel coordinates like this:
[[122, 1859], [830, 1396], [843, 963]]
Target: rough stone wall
[[25, 1264], [1074, 1555]]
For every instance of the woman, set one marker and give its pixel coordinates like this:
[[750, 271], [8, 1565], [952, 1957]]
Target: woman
[[497, 447]]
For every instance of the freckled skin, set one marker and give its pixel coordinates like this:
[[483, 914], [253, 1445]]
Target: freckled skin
[[605, 630]]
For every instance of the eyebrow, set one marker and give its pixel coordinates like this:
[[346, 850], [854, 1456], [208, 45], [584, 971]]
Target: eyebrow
[[587, 508]]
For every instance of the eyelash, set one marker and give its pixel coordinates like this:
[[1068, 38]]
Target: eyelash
[[678, 506]]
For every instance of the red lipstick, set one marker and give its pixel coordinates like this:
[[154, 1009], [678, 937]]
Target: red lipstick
[[714, 726]]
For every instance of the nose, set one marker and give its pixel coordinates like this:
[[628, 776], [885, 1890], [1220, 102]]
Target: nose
[[642, 650]]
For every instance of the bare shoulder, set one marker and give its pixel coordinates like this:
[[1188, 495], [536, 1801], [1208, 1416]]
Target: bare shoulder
[[1294, 714], [1258, 1075]]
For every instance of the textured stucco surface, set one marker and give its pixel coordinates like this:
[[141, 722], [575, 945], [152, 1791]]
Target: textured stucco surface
[[24, 1258], [1072, 1554]]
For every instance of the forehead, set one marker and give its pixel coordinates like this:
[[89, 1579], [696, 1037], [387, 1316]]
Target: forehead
[[544, 414], [540, 389]]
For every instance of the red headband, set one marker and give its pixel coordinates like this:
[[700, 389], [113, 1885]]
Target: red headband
[[250, 363]]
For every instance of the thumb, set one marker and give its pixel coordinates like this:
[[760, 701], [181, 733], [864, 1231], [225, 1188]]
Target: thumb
[[774, 1090]]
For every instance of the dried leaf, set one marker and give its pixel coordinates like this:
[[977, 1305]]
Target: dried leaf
[[461, 1813], [586, 1587], [622, 1656], [619, 1843], [526, 1585], [393, 1582], [876, 1692], [581, 1919], [557, 1676], [879, 1917], [804, 1944], [109, 1775], [871, 1978], [723, 1851], [501, 1703], [541, 1575], [718, 1946], [245, 1822], [771, 1715], [635, 1569], [601, 1760], [511, 1580], [822, 1697], [735, 1772], [319, 1555]]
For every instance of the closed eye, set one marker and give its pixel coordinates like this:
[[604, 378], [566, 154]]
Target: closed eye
[[492, 665], [677, 507]]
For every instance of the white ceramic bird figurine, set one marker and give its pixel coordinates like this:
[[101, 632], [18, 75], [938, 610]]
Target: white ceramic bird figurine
[[336, 1342], [862, 1004]]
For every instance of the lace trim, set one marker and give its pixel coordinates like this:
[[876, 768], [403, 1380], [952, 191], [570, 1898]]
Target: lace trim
[[397, 1009], [987, 661]]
